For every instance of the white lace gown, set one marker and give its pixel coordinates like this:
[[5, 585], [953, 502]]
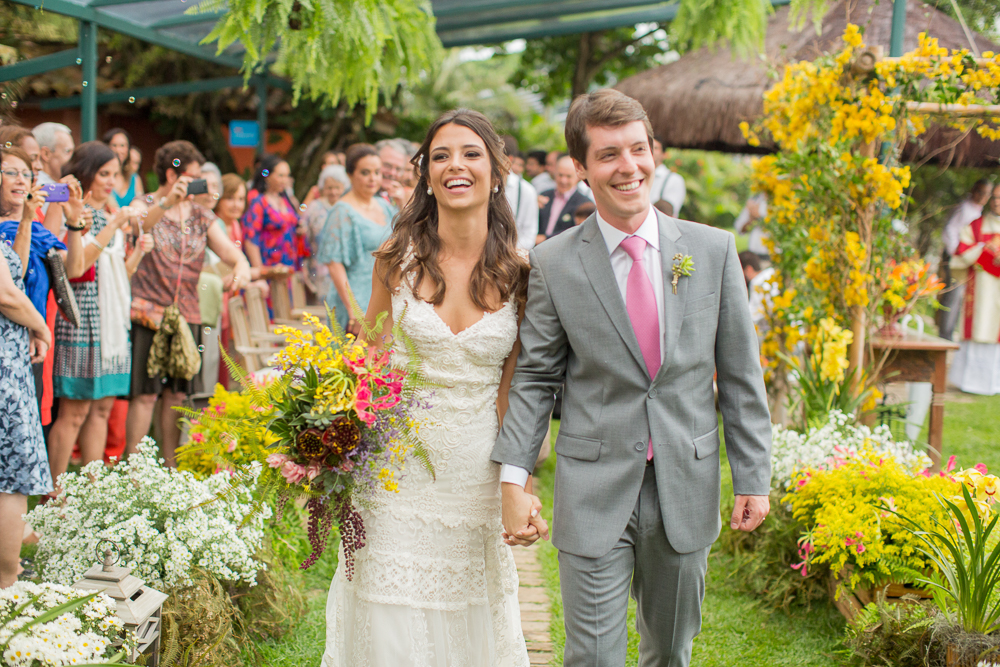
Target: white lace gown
[[435, 586]]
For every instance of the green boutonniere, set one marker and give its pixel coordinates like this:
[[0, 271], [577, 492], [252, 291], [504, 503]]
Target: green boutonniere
[[683, 266]]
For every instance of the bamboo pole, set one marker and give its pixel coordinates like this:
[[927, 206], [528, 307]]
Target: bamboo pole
[[959, 110]]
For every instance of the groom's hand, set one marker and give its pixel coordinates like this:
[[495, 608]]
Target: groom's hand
[[749, 512], [520, 509]]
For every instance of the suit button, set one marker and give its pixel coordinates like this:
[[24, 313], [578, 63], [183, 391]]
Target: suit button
[[652, 393], [640, 446]]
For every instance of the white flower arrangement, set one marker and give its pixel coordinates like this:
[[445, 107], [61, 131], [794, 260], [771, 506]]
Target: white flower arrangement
[[164, 522], [79, 636], [837, 440]]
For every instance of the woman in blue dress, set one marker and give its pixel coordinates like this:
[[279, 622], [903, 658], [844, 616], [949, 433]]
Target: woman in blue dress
[[355, 228], [24, 466]]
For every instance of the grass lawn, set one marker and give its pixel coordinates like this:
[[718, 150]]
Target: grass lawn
[[971, 430]]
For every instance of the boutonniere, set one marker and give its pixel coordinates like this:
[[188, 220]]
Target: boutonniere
[[683, 266]]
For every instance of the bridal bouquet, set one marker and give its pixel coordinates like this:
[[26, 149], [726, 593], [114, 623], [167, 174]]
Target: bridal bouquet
[[339, 421]]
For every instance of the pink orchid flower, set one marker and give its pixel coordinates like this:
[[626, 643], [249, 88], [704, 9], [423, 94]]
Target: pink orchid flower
[[981, 467], [951, 464]]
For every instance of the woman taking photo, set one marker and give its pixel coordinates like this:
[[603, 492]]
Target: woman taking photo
[[355, 228], [24, 339], [31, 240], [93, 361], [270, 226], [128, 185]]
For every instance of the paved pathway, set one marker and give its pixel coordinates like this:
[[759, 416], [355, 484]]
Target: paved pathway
[[534, 603]]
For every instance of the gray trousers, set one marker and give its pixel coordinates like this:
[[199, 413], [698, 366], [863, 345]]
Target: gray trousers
[[668, 588]]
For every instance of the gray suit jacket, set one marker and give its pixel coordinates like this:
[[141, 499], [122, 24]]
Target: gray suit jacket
[[576, 330]]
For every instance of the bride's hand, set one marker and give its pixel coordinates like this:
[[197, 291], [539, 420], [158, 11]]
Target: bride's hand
[[536, 527]]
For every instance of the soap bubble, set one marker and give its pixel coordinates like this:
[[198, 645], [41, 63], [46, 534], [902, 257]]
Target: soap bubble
[[108, 59], [84, 84], [302, 207], [201, 348], [177, 162], [265, 173], [131, 100], [207, 331], [79, 61]]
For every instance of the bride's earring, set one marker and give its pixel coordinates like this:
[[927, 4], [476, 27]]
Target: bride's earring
[[430, 191], [496, 188]]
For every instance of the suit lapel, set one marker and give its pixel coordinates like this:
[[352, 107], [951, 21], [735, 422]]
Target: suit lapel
[[597, 265], [673, 304]]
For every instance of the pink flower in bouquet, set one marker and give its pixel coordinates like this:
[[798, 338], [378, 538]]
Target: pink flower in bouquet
[[277, 460], [392, 381], [292, 472], [362, 402], [981, 467], [313, 470], [346, 466], [197, 437]]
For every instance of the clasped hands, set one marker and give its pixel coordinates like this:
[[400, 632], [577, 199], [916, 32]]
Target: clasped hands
[[522, 516]]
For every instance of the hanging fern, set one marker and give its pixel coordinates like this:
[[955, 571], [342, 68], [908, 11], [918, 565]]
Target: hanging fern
[[331, 49]]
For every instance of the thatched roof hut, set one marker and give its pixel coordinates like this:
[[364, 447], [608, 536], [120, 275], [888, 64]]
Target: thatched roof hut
[[699, 100]]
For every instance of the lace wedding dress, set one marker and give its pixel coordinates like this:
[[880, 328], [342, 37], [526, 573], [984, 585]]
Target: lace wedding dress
[[435, 586]]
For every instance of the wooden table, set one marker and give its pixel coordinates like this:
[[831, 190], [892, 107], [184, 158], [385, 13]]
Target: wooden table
[[918, 357]]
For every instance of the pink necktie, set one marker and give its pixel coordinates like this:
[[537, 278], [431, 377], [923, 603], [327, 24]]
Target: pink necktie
[[640, 302]]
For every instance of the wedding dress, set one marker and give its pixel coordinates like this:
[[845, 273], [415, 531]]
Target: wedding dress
[[435, 586]]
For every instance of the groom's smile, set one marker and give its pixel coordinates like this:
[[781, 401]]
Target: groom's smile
[[619, 170]]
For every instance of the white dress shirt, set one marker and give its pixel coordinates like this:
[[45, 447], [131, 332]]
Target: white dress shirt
[[961, 217], [621, 264], [523, 200], [670, 186]]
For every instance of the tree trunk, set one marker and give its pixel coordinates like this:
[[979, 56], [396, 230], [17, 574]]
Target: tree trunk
[[582, 73]]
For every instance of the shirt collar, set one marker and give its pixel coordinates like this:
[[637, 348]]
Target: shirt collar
[[649, 231]]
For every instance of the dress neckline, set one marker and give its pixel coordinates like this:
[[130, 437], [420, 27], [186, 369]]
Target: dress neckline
[[454, 334]]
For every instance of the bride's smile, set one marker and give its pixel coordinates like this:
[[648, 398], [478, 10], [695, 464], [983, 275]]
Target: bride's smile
[[459, 172]]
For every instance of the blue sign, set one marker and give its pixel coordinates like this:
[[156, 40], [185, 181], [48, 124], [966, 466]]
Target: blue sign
[[244, 133]]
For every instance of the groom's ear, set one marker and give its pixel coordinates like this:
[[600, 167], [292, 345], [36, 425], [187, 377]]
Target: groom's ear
[[581, 171]]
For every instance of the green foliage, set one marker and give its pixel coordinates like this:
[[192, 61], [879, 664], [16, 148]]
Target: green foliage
[[890, 634], [332, 49], [967, 557], [762, 561], [705, 22], [564, 66], [717, 185]]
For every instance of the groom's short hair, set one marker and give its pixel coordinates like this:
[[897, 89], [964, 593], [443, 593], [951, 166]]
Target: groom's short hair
[[602, 108]]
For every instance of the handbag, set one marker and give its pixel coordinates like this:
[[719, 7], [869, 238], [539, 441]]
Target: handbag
[[174, 352], [59, 282]]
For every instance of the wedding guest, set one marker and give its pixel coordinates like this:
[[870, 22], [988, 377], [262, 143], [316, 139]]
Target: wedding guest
[[31, 240], [330, 158], [556, 215], [668, 186], [545, 180], [356, 226], [182, 230], [393, 153], [135, 161], [270, 224], [93, 360], [21, 137], [760, 288], [24, 470], [976, 368], [534, 164], [333, 181], [128, 186], [55, 147], [523, 199], [583, 211], [748, 222], [961, 217], [213, 181]]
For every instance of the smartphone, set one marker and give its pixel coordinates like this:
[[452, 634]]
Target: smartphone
[[199, 186], [56, 192]]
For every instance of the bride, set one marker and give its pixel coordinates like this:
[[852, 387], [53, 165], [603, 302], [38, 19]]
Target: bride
[[436, 584]]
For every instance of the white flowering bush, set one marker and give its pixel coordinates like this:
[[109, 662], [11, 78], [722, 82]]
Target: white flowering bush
[[83, 633], [163, 520], [837, 440]]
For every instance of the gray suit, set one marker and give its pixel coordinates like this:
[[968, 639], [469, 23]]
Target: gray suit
[[614, 516]]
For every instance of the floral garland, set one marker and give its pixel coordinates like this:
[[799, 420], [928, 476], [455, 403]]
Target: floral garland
[[164, 522]]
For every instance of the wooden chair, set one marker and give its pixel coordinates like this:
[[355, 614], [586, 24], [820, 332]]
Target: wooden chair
[[255, 355], [299, 302], [261, 327]]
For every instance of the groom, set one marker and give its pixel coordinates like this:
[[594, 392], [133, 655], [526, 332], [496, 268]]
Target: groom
[[612, 314]]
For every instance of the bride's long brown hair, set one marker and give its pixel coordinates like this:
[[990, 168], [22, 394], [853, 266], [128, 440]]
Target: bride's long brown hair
[[499, 267]]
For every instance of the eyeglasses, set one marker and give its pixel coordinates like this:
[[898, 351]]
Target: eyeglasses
[[13, 173]]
